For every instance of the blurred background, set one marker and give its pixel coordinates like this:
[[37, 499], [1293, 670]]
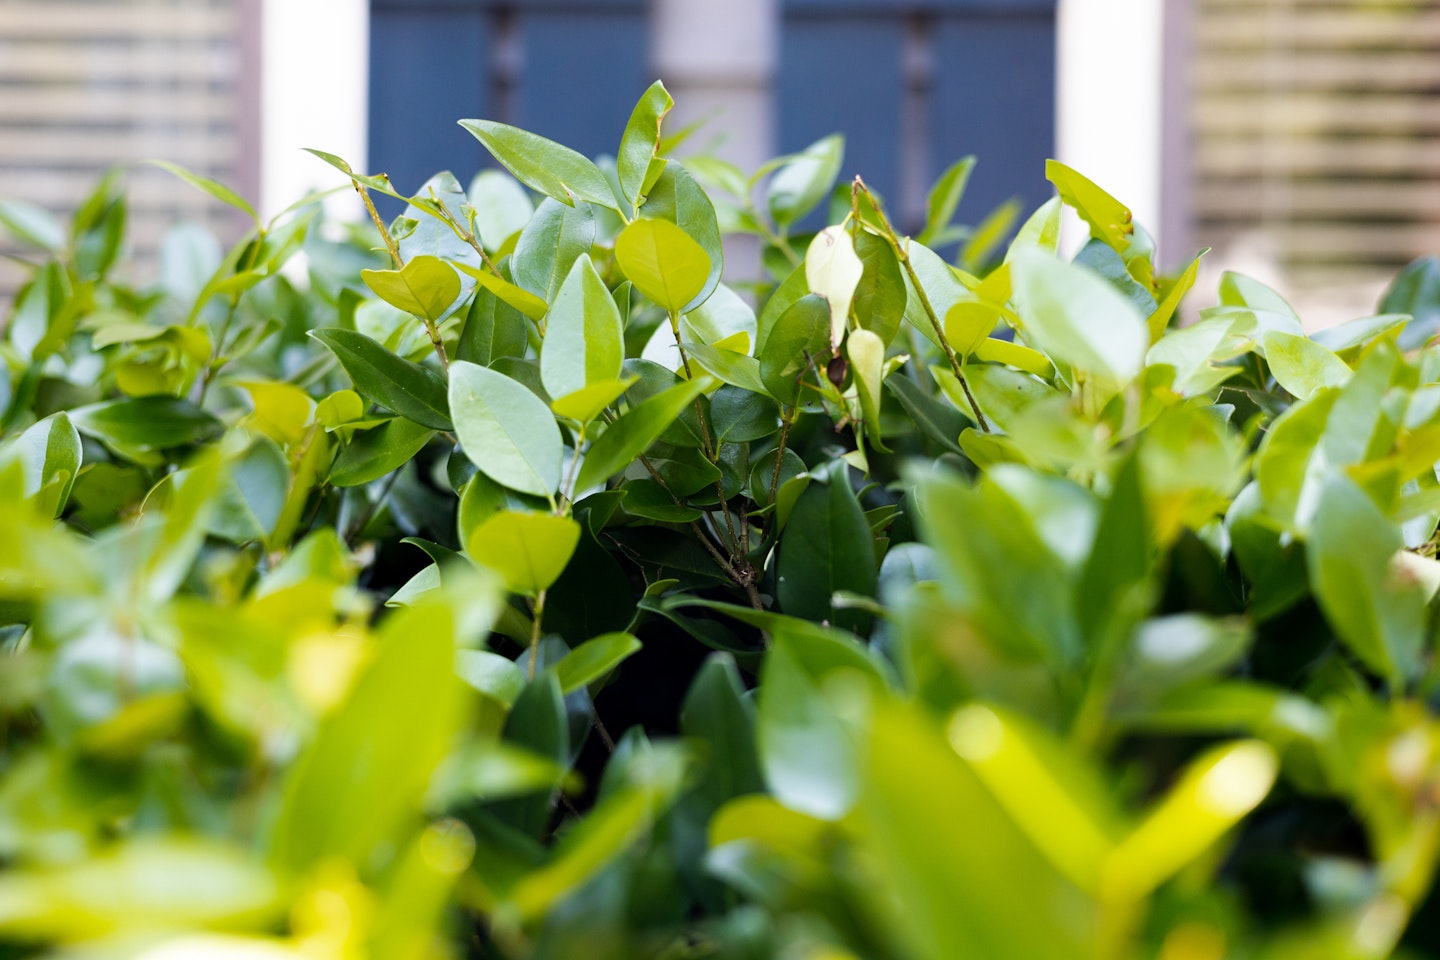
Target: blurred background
[[1298, 138]]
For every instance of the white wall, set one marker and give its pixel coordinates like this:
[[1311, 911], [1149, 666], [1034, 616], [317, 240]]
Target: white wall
[[313, 93], [1109, 101]]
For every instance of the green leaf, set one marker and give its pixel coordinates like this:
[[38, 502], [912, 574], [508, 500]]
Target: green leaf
[[1041, 230], [944, 197], [941, 285], [1080, 320], [827, 546], [594, 659], [493, 771], [254, 493], [808, 755], [493, 329], [502, 208], [379, 182], [517, 297], [1213, 794], [676, 197], [616, 823], [1416, 291], [640, 144], [867, 363], [425, 287], [805, 180], [216, 189], [1109, 219], [584, 336], [881, 294], [720, 319], [634, 432], [785, 296], [833, 271], [50, 456], [544, 165], [995, 567], [1376, 609], [363, 778], [587, 403], [718, 714], [935, 419], [536, 723], [373, 453], [549, 246], [528, 550], [968, 324], [409, 389], [507, 431], [1160, 319], [978, 249], [1238, 290], [799, 340], [1301, 365], [733, 368], [738, 415], [663, 262], [146, 423], [954, 875], [1358, 332], [32, 224], [152, 882], [1003, 394], [491, 674], [1101, 260], [1048, 793], [440, 200]]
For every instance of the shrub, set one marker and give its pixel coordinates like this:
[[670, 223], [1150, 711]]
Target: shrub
[[917, 639]]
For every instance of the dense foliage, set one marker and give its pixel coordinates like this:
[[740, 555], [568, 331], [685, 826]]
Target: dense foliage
[[927, 611]]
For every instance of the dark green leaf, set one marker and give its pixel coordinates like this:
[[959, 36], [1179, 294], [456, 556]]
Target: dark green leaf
[[826, 546], [372, 453], [146, 423], [409, 389]]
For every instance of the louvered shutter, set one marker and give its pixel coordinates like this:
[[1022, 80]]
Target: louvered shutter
[[1317, 123], [86, 84]]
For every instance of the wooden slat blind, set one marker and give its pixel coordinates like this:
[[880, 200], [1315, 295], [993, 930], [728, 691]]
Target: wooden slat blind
[[88, 84], [1316, 124]]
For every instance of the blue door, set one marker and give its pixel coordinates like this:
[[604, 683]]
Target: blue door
[[535, 64], [915, 86]]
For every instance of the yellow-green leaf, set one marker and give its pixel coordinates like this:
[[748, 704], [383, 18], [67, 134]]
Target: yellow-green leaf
[[425, 287], [521, 299], [1109, 219], [1214, 793], [528, 550], [664, 262]]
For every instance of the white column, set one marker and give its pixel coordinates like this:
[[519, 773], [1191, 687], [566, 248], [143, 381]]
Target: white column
[[314, 92], [1109, 101], [718, 60]]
